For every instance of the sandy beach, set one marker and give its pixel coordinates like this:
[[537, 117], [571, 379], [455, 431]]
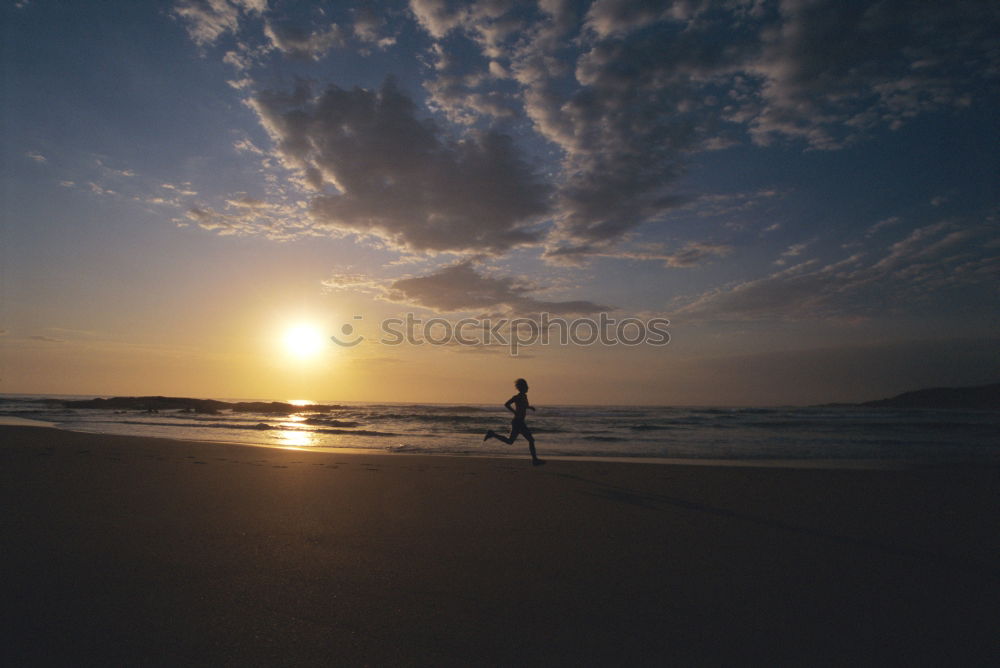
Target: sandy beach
[[126, 550]]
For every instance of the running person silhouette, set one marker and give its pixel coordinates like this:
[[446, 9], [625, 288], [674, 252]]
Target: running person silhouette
[[518, 405]]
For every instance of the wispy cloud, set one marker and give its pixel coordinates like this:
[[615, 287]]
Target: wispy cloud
[[691, 254], [925, 263], [46, 339], [792, 251], [207, 20], [883, 224]]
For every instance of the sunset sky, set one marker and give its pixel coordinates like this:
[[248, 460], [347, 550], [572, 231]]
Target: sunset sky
[[806, 190]]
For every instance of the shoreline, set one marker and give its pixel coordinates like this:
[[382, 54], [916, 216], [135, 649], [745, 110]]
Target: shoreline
[[803, 463], [130, 550]]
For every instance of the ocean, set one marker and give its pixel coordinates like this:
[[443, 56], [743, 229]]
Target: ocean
[[640, 432]]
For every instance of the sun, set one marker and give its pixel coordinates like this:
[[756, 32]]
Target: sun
[[303, 341]]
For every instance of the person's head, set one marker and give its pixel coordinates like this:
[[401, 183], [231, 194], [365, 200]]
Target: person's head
[[521, 384]]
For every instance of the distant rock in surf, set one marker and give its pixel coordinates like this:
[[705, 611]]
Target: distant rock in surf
[[209, 406]]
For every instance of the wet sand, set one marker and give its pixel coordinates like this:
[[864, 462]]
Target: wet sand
[[126, 550]]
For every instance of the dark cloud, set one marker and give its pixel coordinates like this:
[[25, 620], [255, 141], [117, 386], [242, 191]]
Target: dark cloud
[[460, 287], [831, 69], [300, 42], [625, 92], [397, 177], [629, 90]]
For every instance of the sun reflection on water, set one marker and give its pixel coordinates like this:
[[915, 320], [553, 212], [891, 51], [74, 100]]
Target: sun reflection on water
[[295, 438]]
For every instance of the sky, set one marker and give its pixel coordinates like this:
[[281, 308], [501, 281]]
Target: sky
[[198, 193]]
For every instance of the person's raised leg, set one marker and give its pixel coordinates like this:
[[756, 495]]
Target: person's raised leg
[[508, 440]]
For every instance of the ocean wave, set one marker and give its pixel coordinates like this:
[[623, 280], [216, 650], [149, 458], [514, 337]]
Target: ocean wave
[[652, 427], [257, 426], [352, 432], [327, 422], [423, 409], [423, 417]]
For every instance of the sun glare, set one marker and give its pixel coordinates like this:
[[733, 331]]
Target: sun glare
[[304, 341]]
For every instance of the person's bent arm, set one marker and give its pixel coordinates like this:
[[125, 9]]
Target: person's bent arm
[[507, 405]]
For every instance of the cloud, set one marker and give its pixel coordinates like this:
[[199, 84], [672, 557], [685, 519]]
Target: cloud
[[299, 42], [830, 69], [629, 91], [184, 189], [883, 224], [624, 127], [691, 254], [98, 189], [397, 177], [46, 339], [912, 271], [369, 27], [794, 250], [460, 287], [624, 93], [435, 16], [608, 18], [695, 253], [112, 172], [464, 100], [36, 156], [354, 282], [207, 20], [244, 216]]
